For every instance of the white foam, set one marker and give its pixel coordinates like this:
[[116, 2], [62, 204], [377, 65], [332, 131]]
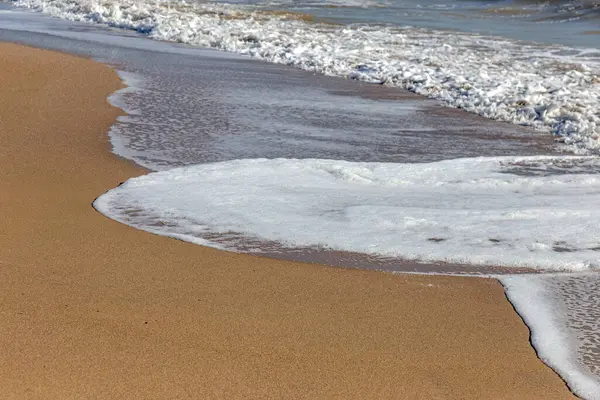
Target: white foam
[[555, 344], [550, 87], [120, 145], [517, 212]]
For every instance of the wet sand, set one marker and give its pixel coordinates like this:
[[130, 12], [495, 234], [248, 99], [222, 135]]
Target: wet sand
[[91, 308]]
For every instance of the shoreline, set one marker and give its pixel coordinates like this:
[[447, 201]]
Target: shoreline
[[94, 308]]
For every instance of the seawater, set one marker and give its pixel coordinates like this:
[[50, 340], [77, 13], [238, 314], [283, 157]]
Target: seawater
[[571, 23], [546, 84], [190, 106]]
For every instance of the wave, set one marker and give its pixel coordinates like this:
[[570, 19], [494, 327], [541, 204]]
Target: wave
[[560, 311], [551, 87], [496, 211]]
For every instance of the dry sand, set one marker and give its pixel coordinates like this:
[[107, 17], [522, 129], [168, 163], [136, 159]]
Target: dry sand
[[92, 309]]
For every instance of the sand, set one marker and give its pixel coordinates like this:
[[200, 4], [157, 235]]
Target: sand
[[92, 309]]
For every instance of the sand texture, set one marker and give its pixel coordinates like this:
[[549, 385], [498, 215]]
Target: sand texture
[[92, 309]]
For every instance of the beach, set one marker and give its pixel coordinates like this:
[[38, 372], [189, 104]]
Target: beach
[[94, 309]]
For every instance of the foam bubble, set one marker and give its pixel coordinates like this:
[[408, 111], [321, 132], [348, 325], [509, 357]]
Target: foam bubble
[[533, 212], [134, 83], [543, 309]]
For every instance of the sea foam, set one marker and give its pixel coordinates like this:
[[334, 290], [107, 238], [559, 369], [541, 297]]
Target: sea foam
[[551, 87], [543, 304], [536, 212]]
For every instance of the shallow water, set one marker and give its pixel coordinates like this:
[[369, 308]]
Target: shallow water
[[528, 79], [561, 311], [204, 106]]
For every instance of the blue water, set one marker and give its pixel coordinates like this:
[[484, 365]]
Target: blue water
[[566, 22]]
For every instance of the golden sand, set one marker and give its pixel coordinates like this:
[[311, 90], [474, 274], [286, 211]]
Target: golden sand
[[92, 309]]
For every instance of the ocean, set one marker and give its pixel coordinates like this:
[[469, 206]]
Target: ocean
[[407, 136]]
